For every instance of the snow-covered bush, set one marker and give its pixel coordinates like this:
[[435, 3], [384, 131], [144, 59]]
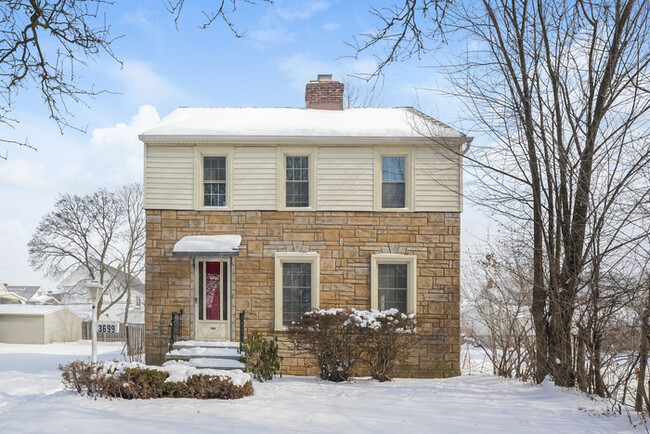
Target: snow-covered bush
[[338, 340], [261, 356], [137, 381], [385, 338], [330, 338]]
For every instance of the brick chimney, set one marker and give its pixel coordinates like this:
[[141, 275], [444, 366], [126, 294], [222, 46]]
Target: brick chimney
[[324, 94]]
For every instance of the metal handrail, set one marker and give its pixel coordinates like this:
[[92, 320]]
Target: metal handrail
[[242, 315], [176, 328]]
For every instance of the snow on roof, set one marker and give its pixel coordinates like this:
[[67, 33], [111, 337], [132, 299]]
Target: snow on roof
[[25, 292], [29, 309], [204, 245], [198, 122]]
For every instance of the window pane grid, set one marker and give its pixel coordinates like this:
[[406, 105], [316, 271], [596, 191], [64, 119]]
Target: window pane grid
[[297, 185], [296, 291], [214, 181], [393, 187], [392, 286]]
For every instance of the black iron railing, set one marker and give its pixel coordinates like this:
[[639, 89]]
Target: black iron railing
[[241, 330], [176, 328]]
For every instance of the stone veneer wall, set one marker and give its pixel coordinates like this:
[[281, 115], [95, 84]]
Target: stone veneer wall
[[345, 241]]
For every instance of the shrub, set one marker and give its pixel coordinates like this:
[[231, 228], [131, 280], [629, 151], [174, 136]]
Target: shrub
[[261, 356], [137, 381], [338, 340], [386, 337], [329, 337]]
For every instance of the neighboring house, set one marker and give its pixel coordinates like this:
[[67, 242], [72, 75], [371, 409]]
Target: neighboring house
[[72, 289], [275, 211], [33, 294], [7, 297]]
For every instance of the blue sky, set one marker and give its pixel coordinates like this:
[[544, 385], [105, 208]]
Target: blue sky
[[285, 45]]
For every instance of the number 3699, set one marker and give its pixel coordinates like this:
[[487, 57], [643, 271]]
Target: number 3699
[[106, 328]]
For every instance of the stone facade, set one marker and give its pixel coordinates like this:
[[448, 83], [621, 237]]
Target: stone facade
[[345, 242]]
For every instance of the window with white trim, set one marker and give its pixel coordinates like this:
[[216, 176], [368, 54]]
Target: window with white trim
[[214, 181], [297, 181], [297, 284], [393, 182], [393, 282]]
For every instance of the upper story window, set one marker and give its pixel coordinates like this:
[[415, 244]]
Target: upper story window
[[214, 181], [297, 181], [393, 182]]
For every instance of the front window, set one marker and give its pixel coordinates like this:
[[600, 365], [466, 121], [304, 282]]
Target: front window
[[392, 286], [296, 286], [393, 182], [296, 290], [393, 282], [214, 181], [297, 176]]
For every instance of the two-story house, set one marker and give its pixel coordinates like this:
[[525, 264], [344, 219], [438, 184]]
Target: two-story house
[[275, 211]]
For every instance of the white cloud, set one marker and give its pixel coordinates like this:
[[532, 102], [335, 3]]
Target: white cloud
[[300, 68], [118, 152], [13, 255], [330, 27], [140, 83], [301, 11], [271, 35], [23, 174], [272, 28]]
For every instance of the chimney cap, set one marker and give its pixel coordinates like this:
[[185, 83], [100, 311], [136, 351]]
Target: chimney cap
[[324, 77]]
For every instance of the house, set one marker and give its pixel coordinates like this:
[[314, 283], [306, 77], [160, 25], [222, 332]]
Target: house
[[33, 294], [72, 289], [33, 324], [7, 297], [275, 211]]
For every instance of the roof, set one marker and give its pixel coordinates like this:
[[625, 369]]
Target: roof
[[208, 245], [25, 292], [75, 282], [30, 309], [203, 123]]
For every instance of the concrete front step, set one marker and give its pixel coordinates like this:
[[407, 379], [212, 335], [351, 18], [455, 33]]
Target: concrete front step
[[205, 344], [210, 363], [194, 352], [203, 354]]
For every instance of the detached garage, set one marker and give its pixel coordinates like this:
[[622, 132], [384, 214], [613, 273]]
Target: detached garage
[[33, 324]]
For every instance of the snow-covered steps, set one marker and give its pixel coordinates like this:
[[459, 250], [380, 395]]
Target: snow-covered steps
[[205, 344], [209, 363], [202, 354]]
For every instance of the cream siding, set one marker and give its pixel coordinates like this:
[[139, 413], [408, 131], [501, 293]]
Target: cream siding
[[169, 177], [255, 178], [345, 178], [437, 180]]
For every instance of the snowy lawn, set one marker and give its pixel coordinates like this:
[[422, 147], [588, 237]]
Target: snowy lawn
[[32, 399]]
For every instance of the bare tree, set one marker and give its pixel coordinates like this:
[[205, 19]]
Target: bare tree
[[219, 10], [360, 93], [43, 44], [563, 90], [98, 232], [497, 293]]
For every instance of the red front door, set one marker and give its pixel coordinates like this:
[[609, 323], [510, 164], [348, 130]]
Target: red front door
[[212, 307]]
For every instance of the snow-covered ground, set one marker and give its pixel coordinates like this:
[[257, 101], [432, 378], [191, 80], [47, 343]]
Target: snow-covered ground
[[32, 399]]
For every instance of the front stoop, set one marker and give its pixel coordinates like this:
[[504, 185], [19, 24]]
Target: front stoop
[[203, 354]]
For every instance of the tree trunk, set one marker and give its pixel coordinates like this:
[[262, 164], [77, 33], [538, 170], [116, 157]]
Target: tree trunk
[[581, 350], [641, 396]]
